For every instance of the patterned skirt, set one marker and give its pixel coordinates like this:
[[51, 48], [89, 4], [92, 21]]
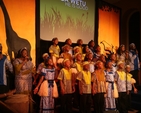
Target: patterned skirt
[[47, 103]]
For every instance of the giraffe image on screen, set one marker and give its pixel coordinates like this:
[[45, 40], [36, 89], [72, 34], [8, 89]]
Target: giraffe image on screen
[[13, 41]]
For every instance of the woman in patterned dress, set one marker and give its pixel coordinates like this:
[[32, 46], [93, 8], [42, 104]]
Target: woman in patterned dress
[[23, 72], [48, 73]]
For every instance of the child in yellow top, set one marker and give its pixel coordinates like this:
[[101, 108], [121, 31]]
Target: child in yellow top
[[78, 66], [54, 51], [130, 83], [120, 79], [84, 78], [80, 45], [67, 88], [65, 54]]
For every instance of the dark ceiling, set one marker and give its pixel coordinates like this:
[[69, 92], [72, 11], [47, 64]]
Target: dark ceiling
[[112, 1]]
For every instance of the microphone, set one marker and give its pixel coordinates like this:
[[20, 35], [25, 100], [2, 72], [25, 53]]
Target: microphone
[[27, 58]]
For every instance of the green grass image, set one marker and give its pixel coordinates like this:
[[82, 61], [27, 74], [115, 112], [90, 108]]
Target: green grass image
[[54, 24]]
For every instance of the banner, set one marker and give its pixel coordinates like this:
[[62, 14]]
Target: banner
[[109, 26]]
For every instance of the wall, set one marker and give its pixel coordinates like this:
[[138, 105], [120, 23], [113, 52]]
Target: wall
[[128, 7]]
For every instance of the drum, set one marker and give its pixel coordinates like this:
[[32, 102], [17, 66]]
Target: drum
[[6, 109], [18, 102]]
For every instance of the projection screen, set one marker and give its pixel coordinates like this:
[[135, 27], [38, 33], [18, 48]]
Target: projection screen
[[64, 19]]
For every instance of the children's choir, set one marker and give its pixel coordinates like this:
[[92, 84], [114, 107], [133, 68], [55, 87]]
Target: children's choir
[[86, 78]]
